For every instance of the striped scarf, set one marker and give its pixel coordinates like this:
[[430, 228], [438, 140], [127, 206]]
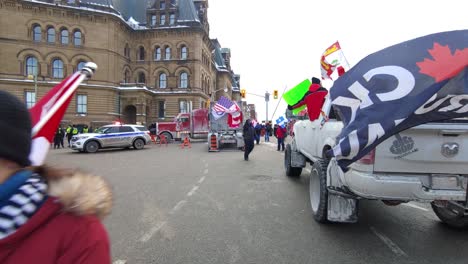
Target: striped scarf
[[22, 204]]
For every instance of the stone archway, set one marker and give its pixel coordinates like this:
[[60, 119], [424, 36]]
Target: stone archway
[[129, 114]]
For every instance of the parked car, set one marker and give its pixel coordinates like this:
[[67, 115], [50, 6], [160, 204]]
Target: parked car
[[112, 136]]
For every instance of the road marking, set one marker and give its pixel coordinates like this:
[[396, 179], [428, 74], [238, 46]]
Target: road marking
[[201, 179], [415, 206], [194, 189], [205, 171], [393, 247], [119, 261], [152, 231], [177, 206]]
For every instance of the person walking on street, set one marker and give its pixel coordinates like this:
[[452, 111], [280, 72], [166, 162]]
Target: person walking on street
[[249, 135], [62, 132], [280, 135], [267, 132], [258, 129], [48, 215]]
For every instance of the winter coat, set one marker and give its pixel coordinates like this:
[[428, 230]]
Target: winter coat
[[249, 133], [66, 228], [281, 132]]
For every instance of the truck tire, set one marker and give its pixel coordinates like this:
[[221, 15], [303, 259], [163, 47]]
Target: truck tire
[[450, 218], [167, 135], [91, 146], [318, 191], [290, 171]]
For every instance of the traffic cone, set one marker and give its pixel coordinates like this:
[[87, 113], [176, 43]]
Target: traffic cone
[[186, 143], [213, 143]]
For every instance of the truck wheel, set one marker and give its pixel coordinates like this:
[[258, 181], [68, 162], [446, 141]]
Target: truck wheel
[[450, 218], [138, 143], [91, 146], [167, 135], [318, 191], [290, 171]]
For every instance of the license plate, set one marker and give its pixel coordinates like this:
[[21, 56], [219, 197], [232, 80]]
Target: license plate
[[228, 141]]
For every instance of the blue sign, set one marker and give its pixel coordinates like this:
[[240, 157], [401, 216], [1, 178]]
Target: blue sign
[[402, 86]]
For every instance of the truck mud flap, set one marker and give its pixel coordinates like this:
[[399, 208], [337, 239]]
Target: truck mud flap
[[298, 160], [342, 204]]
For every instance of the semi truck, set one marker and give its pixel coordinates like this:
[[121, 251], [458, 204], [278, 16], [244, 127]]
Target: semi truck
[[194, 124], [221, 135]]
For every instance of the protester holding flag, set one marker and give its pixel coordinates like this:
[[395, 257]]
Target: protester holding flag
[[313, 98], [249, 135], [48, 215], [281, 135]]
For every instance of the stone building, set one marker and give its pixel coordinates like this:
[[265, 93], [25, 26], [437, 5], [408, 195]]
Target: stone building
[[148, 71]]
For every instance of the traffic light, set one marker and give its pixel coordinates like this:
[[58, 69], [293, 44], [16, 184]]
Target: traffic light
[[242, 92], [275, 94]]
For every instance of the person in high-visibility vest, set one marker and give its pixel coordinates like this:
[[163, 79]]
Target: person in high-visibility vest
[[74, 130], [69, 134], [85, 129]]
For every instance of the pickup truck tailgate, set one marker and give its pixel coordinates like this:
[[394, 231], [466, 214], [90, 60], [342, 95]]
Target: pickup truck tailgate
[[429, 148]]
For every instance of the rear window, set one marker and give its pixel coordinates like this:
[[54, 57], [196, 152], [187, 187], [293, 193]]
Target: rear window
[[141, 128]]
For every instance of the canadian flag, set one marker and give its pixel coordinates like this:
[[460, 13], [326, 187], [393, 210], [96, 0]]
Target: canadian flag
[[235, 116], [49, 111]]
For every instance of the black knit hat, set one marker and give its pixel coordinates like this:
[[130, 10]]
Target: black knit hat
[[315, 80], [15, 129]]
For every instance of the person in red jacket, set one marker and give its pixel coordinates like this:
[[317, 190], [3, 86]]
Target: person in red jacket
[[281, 135], [47, 215], [313, 98]]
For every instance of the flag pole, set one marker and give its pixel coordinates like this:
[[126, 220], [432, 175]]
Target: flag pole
[[279, 101], [87, 71]]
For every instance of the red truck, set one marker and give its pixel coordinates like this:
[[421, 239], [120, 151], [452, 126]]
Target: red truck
[[194, 124]]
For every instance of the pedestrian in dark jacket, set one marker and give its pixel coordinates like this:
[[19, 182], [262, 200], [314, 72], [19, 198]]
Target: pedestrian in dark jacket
[[249, 136], [57, 138], [48, 215], [281, 134], [258, 131]]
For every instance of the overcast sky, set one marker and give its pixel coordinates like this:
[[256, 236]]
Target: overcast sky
[[276, 44]]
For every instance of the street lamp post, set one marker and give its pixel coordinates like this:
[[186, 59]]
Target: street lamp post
[[267, 99]]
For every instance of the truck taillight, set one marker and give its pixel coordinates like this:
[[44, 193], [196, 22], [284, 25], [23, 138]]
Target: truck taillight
[[368, 159]]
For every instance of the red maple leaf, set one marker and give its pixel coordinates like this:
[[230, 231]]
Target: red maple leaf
[[445, 65]]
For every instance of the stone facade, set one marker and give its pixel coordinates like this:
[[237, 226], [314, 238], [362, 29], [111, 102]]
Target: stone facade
[[128, 84]]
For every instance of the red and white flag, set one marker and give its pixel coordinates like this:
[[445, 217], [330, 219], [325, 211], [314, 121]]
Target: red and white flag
[[332, 60], [47, 114], [235, 116]]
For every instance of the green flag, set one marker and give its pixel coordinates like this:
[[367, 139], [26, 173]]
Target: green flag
[[296, 93]]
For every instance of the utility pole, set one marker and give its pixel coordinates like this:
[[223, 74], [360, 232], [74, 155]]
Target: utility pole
[[267, 99]]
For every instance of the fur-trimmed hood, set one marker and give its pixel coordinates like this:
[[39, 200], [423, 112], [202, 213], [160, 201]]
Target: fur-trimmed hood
[[82, 194]]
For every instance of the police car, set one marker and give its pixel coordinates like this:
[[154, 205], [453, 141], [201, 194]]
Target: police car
[[112, 136]]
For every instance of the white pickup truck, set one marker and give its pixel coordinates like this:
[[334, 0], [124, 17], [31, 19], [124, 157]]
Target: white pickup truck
[[427, 163]]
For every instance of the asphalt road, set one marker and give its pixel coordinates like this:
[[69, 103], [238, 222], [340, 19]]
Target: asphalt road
[[177, 205]]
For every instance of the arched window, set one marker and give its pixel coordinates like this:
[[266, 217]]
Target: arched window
[[183, 53], [64, 36], [162, 80], [51, 35], [77, 40], [37, 33], [141, 78], [157, 53], [162, 19], [80, 65], [183, 80], [171, 19], [31, 66], [127, 51], [57, 68], [127, 76], [141, 53], [167, 55]]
